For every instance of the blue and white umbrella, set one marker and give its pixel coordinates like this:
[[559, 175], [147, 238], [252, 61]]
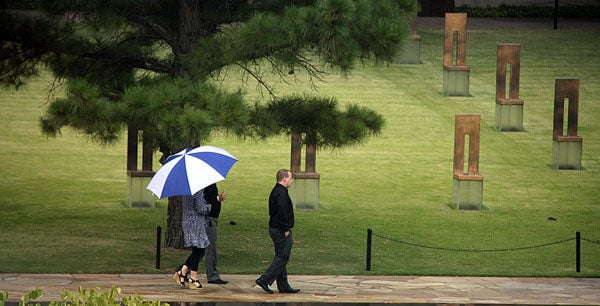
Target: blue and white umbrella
[[190, 170]]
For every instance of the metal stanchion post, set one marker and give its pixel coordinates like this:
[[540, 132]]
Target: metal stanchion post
[[578, 252], [369, 237], [158, 234]]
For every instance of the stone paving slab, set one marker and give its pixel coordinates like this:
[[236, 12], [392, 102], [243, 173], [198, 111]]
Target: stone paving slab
[[323, 289]]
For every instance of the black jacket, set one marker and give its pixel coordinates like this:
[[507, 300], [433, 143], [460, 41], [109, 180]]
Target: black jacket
[[281, 210], [211, 193]]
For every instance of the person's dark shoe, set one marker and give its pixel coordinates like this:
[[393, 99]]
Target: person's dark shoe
[[289, 290], [218, 281], [264, 286]]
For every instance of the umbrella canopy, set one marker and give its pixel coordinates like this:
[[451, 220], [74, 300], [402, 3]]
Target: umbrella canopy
[[190, 170]]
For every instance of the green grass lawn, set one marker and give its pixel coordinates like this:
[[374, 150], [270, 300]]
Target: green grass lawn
[[62, 200]]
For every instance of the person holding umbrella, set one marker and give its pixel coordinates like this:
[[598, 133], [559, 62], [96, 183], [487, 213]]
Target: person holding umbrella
[[187, 173], [281, 221], [194, 222]]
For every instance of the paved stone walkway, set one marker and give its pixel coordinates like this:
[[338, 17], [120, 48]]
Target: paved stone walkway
[[324, 289]]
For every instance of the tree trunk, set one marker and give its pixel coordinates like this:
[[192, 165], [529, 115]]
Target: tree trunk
[[190, 26], [174, 233], [296, 157], [310, 161]]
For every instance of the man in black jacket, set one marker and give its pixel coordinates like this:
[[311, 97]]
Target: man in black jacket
[[214, 198], [281, 221]]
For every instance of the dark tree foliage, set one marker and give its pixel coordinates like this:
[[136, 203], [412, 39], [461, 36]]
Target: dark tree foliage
[[150, 64], [320, 119]]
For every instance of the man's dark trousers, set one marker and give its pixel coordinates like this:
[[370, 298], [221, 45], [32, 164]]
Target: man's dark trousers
[[212, 274], [277, 270]]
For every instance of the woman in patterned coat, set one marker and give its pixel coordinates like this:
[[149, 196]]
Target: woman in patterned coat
[[195, 211]]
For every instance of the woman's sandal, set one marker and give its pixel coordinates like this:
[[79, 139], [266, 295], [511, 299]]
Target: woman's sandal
[[180, 278], [195, 284]]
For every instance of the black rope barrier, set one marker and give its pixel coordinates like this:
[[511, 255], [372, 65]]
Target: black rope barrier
[[577, 238], [475, 250], [592, 241]]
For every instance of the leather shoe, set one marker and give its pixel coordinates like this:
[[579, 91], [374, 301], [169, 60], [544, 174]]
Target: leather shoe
[[218, 281], [264, 286], [290, 290]]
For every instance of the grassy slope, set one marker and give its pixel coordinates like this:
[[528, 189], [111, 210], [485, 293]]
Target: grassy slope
[[62, 199]]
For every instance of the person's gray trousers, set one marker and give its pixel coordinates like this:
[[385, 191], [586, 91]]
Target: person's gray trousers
[[212, 273]]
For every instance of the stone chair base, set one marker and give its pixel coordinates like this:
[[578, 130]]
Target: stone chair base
[[467, 192], [566, 152], [137, 194], [509, 116], [456, 81], [305, 190]]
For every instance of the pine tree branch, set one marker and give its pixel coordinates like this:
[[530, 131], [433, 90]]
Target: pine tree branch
[[163, 33]]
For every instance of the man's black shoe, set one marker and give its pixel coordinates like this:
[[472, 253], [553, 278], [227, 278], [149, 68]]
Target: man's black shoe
[[218, 281], [290, 290], [264, 286]]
